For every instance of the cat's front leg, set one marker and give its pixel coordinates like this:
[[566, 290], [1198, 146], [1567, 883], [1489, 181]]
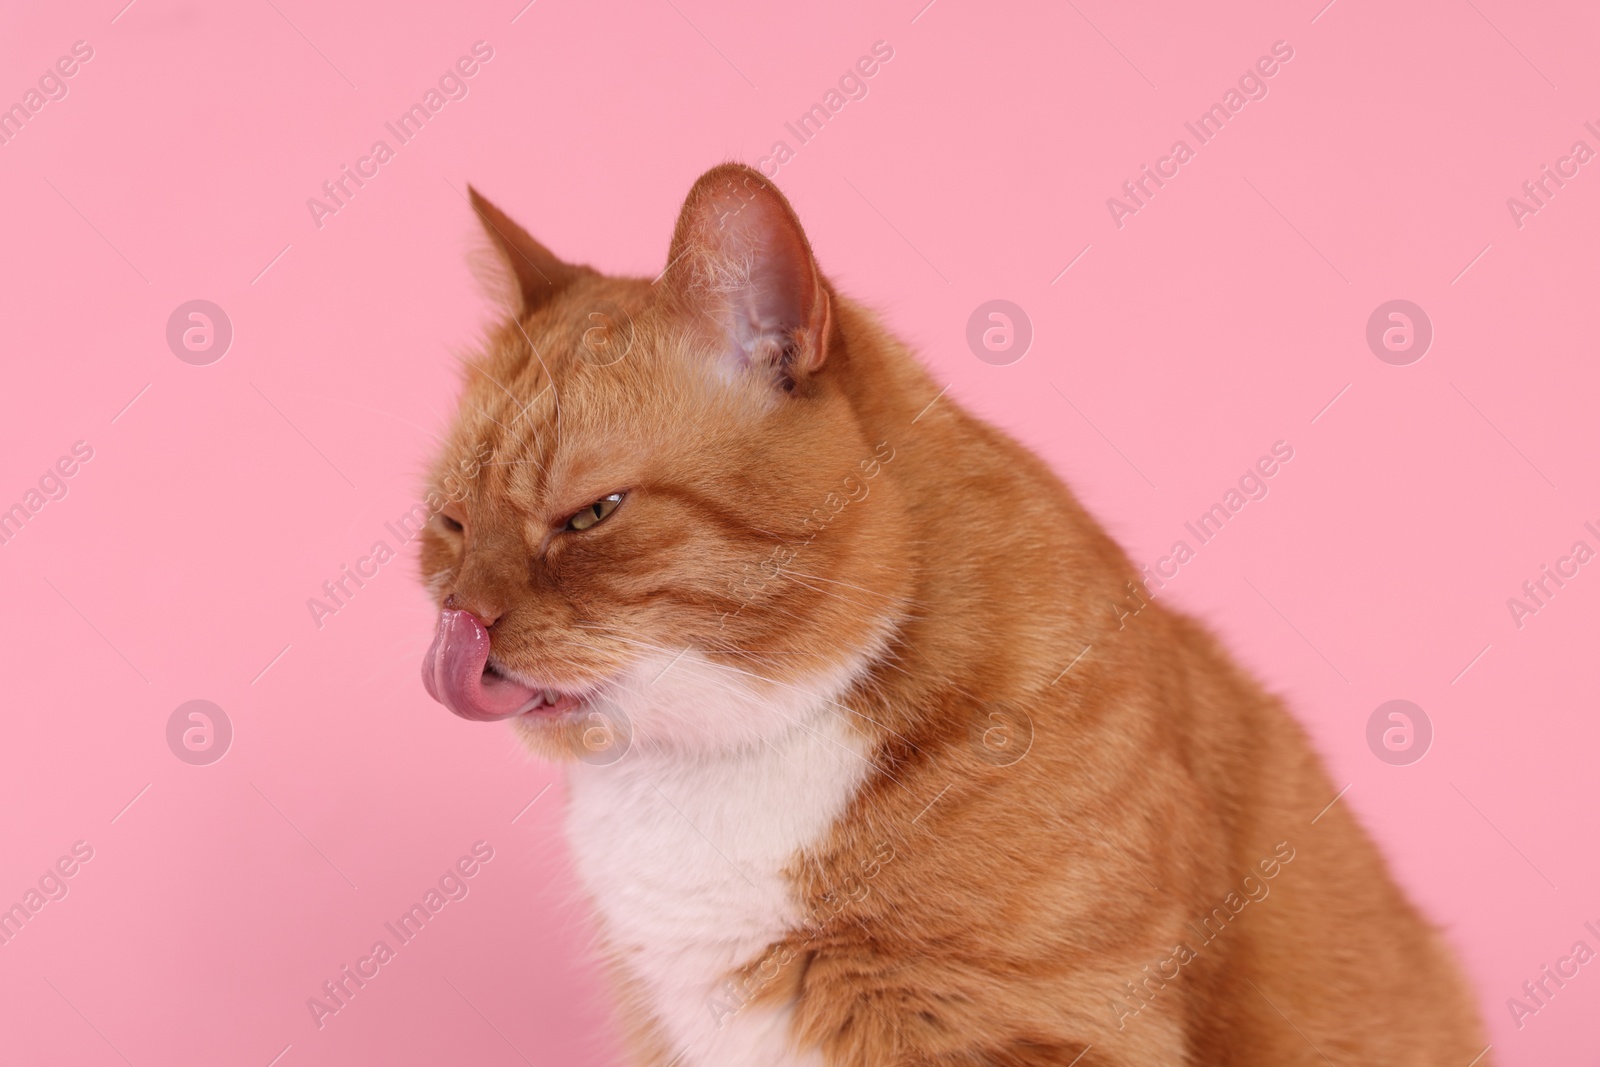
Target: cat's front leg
[[882, 1015]]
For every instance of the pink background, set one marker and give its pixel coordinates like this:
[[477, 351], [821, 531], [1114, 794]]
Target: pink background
[[1224, 316]]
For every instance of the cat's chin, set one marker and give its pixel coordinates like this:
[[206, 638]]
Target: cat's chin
[[581, 728]]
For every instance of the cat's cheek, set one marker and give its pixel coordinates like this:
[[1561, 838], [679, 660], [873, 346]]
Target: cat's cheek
[[555, 559]]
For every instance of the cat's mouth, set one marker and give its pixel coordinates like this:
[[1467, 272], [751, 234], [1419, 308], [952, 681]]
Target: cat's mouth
[[458, 673], [544, 700]]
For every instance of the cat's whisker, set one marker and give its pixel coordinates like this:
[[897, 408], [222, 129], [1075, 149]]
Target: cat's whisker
[[512, 435], [554, 392], [848, 585]]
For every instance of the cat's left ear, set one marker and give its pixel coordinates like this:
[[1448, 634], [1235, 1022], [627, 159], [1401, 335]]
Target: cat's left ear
[[739, 255], [537, 273]]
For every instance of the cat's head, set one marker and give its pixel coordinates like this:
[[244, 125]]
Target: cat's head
[[662, 516]]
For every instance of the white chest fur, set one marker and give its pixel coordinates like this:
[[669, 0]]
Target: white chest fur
[[685, 857]]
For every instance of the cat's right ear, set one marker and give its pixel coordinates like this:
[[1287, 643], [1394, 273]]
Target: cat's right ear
[[740, 257], [535, 272]]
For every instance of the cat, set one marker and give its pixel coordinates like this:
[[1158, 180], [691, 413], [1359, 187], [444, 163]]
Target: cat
[[878, 753]]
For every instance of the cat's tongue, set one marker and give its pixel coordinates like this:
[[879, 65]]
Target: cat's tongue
[[453, 672]]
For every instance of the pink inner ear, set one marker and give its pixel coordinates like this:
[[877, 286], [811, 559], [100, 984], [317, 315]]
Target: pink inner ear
[[754, 272]]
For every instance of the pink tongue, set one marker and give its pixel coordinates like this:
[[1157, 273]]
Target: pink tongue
[[453, 674]]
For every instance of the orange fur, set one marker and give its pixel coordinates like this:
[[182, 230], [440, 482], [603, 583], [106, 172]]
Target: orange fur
[[1033, 841]]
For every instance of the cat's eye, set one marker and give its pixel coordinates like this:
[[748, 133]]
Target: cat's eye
[[594, 513], [450, 522]]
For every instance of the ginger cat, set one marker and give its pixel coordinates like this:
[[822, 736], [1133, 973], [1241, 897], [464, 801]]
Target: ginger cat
[[879, 755]]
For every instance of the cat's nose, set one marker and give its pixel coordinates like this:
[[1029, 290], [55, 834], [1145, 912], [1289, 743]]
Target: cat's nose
[[482, 608]]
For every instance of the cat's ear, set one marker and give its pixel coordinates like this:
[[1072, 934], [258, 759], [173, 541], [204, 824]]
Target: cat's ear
[[536, 273], [739, 256]]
